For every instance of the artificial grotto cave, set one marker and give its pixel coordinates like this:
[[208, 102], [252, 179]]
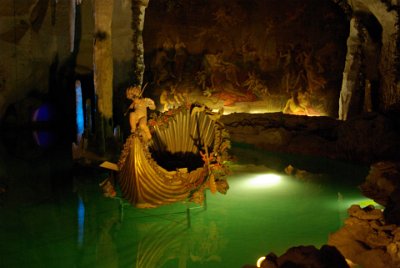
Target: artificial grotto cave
[[307, 91]]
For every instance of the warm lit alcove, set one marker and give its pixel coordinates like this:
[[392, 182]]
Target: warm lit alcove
[[248, 56]]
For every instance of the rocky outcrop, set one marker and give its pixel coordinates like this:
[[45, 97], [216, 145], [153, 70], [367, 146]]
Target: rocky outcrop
[[381, 182], [305, 256], [383, 186], [281, 132], [367, 138], [367, 240]]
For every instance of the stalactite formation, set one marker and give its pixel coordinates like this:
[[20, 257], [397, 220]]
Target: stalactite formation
[[103, 69], [138, 14], [344, 5]]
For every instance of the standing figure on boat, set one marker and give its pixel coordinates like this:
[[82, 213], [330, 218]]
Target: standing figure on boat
[[138, 111]]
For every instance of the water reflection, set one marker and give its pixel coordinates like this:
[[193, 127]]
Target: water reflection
[[53, 214], [32, 173], [44, 138], [36, 218], [207, 243], [159, 238]]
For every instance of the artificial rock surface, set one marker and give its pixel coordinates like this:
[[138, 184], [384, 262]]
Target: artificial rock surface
[[370, 236], [367, 138], [383, 186], [305, 256], [367, 240], [382, 181]]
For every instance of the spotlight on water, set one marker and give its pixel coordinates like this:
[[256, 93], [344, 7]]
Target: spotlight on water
[[264, 180]]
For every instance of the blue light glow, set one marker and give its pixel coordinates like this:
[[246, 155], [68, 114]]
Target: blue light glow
[[43, 113], [79, 109], [44, 138], [81, 221]]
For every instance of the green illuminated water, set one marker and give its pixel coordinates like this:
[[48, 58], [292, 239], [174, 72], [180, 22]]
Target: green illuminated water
[[53, 218]]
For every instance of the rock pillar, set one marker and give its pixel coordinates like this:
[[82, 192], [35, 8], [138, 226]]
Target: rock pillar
[[138, 13], [351, 69], [103, 70]]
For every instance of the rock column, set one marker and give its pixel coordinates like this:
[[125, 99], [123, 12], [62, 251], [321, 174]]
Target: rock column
[[138, 11], [351, 69], [103, 70]]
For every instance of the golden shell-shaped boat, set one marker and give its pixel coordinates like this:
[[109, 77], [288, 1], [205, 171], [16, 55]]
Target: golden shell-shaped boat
[[186, 156]]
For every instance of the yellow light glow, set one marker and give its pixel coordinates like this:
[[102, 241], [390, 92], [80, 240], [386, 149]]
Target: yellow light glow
[[261, 111], [265, 180], [351, 264], [362, 202], [260, 260], [367, 202]]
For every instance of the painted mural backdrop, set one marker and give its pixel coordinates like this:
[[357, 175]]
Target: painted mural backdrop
[[246, 55]]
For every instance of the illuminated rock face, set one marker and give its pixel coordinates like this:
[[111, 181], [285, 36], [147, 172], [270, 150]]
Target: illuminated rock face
[[369, 81], [367, 240]]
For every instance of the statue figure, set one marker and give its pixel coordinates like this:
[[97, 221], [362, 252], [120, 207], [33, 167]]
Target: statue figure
[[295, 105], [138, 111]]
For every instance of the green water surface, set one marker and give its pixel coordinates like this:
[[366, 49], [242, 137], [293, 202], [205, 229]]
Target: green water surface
[[54, 217]]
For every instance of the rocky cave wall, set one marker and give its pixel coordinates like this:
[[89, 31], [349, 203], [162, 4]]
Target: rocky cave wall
[[370, 76], [27, 54], [363, 139], [45, 42], [32, 34]]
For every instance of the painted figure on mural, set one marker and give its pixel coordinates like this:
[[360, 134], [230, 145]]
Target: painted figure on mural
[[161, 67], [220, 70], [314, 70], [171, 98], [180, 58], [138, 111], [249, 54], [288, 63]]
